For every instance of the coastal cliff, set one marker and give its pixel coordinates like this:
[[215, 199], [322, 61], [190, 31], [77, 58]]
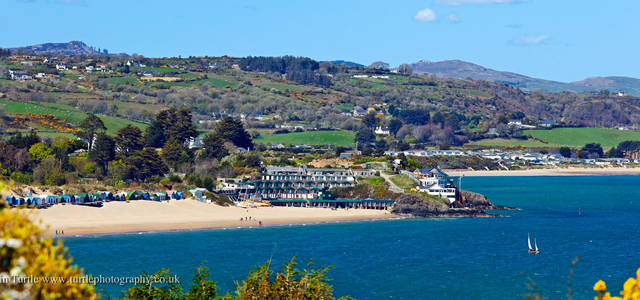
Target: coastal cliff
[[474, 205]]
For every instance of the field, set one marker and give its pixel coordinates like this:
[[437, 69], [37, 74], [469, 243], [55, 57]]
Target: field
[[335, 138], [578, 137], [71, 114], [499, 142], [571, 137], [403, 181]]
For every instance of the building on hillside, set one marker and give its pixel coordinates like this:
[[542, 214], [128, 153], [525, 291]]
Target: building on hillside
[[359, 112], [382, 131], [547, 123], [436, 182]]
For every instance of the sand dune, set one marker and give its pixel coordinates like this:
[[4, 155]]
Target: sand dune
[[549, 172], [117, 217]]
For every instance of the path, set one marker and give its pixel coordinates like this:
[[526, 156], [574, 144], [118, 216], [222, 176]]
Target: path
[[392, 186]]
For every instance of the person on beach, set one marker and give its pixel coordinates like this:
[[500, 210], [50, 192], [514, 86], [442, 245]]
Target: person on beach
[[260, 223], [56, 231]]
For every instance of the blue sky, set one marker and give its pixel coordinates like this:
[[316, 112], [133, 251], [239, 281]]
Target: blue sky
[[558, 40]]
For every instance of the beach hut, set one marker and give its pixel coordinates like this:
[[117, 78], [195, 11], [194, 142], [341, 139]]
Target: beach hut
[[82, 198], [162, 196], [153, 197], [11, 200], [120, 197], [51, 200], [106, 196], [67, 198]]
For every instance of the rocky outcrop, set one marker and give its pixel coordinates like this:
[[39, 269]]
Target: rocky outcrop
[[479, 201], [474, 206]]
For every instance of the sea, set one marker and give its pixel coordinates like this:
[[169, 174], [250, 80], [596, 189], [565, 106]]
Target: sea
[[595, 219]]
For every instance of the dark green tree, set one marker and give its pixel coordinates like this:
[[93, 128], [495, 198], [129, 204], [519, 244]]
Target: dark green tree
[[213, 147], [103, 151], [175, 153], [24, 141], [592, 150], [128, 139], [364, 138], [154, 135], [394, 126], [90, 127], [170, 124], [370, 120], [233, 131], [565, 151], [145, 164]]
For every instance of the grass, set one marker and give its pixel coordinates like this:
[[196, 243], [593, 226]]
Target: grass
[[375, 180], [70, 114], [403, 181], [336, 138], [283, 88], [500, 142], [578, 137]]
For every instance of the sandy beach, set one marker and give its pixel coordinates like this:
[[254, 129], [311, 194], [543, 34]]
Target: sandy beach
[[548, 172], [136, 216]]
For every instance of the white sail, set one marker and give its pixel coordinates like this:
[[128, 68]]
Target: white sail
[[529, 241], [536, 244]]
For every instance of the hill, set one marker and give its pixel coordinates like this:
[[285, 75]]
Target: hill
[[70, 48], [463, 70]]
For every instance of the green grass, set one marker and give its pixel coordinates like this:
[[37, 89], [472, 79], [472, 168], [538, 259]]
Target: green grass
[[403, 181], [375, 180], [70, 115], [336, 138], [578, 137], [500, 142]]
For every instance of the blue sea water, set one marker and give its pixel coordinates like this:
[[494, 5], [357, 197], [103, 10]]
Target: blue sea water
[[480, 258]]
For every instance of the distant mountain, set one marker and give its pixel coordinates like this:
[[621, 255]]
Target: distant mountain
[[462, 70], [70, 48]]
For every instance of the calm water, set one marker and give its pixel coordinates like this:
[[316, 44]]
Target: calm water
[[484, 258]]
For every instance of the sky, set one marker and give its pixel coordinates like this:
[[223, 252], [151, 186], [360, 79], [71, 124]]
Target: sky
[[563, 40]]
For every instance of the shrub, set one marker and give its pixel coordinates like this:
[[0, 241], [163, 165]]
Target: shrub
[[21, 177]]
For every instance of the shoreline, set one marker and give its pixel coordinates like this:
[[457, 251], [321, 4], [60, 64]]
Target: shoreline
[[546, 172], [178, 215]]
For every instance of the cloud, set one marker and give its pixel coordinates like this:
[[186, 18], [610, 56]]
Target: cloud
[[425, 15], [453, 18], [527, 40], [461, 2]]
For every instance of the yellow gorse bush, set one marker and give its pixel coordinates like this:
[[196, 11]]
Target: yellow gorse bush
[[631, 289], [25, 255]]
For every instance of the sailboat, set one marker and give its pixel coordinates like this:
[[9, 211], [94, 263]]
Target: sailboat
[[532, 250]]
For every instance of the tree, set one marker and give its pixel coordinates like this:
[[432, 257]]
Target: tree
[[213, 147], [40, 151], [145, 164], [170, 124], [90, 127], [24, 141], [370, 120], [154, 135], [405, 69], [592, 150], [128, 139], [27, 251], [379, 65], [174, 154], [364, 138], [394, 126], [565, 151], [233, 131], [103, 151], [414, 116]]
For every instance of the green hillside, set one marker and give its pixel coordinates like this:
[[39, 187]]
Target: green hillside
[[580, 136], [336, 138]]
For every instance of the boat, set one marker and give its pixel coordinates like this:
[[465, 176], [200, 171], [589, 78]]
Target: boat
[[533, 250]]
